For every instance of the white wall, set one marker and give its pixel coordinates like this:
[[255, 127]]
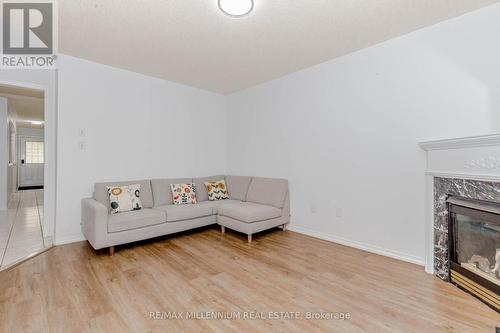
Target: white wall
[[345, 132], [134, 127], [4, 152]]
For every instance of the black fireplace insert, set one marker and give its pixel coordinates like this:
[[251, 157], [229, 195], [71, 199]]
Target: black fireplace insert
[[474, 248]]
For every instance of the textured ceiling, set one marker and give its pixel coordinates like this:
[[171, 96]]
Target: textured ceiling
[[192, 42]]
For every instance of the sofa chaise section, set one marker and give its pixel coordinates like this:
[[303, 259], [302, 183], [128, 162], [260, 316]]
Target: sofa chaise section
[[265, 205]]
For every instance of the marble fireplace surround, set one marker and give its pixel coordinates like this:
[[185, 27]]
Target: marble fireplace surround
[[468, 167], [466, 188]]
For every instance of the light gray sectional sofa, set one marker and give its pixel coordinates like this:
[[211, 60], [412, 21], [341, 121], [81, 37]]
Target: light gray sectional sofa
[[255, 204]]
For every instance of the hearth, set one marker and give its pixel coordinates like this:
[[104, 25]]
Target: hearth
[[474, 247]]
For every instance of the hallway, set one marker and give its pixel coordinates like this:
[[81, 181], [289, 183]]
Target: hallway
[[21, 227]]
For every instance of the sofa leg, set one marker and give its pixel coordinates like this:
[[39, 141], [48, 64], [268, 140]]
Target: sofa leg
[[111, 250], [222, 229], [284, 227], [249, 239]]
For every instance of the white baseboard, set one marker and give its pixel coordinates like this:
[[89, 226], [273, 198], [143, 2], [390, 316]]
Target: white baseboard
[[331, 238], [69, 239], [361, 246]]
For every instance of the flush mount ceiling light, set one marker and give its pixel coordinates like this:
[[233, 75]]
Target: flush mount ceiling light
[[236, 8]]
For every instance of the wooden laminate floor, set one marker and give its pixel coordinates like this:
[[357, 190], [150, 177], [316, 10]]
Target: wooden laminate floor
[[72, 288]]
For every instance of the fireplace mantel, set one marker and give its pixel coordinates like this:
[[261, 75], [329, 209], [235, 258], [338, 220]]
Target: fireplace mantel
[[465, 142], [475, 158], [469, 158]]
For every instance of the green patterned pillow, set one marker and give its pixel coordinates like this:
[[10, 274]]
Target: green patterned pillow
[[217, 190], [124, 198]]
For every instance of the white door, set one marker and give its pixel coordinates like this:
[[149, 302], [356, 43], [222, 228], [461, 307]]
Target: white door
[[31, 159]]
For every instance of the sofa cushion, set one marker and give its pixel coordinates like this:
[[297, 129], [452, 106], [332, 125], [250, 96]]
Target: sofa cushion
[[267, 191], [248, 211], [135, 219], [124, 198], [162, 193], [186, 212], [237, 187], [101, 192], [201, 189]]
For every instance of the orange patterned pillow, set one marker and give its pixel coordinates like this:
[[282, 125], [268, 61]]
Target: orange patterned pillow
[[217, 190]]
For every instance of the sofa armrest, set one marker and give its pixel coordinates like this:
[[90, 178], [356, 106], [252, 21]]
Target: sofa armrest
[[94, 222]]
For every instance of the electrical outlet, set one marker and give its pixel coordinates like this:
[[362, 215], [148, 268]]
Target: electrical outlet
[[313, 209], [81, 133], [339, 212], [81, 145]]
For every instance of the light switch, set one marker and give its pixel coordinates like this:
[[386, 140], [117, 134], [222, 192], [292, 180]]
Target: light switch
[[82, 133]]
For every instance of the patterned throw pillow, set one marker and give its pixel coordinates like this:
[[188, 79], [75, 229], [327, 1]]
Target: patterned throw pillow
[[183, 193], [124, 198], [217, 190]]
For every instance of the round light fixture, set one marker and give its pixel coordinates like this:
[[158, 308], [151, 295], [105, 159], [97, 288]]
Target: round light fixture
[[236, 8]]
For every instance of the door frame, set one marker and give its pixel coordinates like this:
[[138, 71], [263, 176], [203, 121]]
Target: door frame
[[50, 149], [18, 149]]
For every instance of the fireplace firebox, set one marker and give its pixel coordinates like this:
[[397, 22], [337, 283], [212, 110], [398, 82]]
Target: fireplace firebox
[[474, 248]]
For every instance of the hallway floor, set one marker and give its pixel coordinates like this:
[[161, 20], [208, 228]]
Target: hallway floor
[[21, 227]]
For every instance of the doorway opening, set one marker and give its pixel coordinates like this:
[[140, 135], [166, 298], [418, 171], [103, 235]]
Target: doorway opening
[[22, 221]]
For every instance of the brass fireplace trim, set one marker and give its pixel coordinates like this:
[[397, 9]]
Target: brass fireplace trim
[[485, 295]]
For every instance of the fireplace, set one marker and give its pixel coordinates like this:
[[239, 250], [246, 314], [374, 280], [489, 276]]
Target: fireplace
[[474, 247]]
